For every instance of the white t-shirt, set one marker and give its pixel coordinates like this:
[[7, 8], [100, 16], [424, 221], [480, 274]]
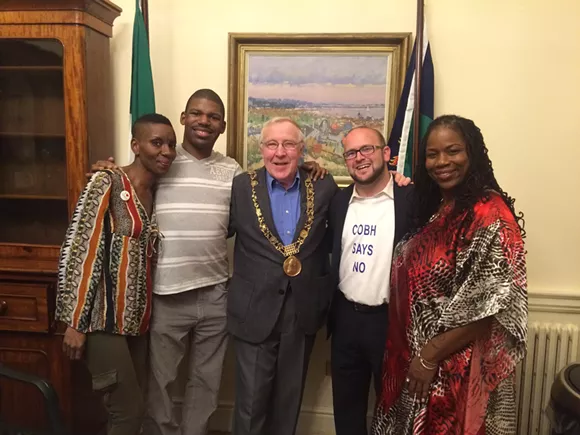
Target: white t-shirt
[[367, 247]]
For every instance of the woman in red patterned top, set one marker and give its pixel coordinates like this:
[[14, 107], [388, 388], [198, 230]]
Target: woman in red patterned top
[[458, 306]]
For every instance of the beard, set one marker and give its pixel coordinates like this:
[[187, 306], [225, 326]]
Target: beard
[[377, 172]]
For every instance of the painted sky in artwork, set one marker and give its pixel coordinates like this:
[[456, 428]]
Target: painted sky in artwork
[[319, 78]]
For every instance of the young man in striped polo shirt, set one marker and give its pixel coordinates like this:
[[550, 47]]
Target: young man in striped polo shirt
[[189, 302]]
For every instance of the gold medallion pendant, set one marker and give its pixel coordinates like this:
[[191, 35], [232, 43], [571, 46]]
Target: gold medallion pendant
[[292, 266]]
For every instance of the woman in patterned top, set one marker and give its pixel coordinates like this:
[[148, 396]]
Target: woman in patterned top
[[458, 306], [105, 273]]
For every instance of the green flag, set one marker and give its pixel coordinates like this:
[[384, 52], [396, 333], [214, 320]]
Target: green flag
[[142, 95]]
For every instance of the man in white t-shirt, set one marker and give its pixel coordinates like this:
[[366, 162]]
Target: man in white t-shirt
[[367, 219]]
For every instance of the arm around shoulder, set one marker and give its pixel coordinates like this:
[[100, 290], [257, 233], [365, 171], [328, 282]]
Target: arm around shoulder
[[328, 185], [237, 186]]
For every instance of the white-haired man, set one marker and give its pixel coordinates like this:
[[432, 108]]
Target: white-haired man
[[280, 292]]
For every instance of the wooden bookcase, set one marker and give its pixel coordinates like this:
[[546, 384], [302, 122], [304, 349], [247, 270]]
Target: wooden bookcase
[[55, 118]]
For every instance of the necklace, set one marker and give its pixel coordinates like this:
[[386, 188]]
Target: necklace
[[292, 265]]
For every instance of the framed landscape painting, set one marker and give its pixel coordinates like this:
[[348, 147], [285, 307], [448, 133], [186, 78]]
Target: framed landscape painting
[[327, 83]]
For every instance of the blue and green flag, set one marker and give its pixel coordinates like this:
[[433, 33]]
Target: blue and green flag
[[401, 138]]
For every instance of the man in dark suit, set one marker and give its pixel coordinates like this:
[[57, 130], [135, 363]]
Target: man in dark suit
[[281, 288], [367, 220]]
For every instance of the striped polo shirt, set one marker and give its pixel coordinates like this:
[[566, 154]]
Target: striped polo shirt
[[193, 210]]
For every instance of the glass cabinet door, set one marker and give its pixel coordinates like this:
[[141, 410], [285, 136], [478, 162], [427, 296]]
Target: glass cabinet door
[[33, 189]]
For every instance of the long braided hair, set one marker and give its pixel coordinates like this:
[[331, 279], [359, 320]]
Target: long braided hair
[[478, 182]]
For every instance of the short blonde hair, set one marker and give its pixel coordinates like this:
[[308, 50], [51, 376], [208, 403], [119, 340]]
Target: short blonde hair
[[279, 120]]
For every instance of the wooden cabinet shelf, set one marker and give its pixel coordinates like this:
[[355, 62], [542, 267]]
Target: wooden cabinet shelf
[[32, 135], [32, 97], [55, 119], [30, 68], [33, 197]]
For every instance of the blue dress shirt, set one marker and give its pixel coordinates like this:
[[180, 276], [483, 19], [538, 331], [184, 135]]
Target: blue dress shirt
[[285, 207]]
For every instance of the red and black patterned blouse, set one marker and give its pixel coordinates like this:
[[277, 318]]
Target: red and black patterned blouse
[[105, 266], [447, 276]]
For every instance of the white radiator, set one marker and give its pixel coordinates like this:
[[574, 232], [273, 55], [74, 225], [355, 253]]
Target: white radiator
[[551, 347]]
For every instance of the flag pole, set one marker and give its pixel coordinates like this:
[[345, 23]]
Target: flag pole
[[418, 70], [145, 11]]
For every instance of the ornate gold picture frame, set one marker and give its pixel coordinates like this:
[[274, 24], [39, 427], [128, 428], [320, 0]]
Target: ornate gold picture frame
[[327, 83]]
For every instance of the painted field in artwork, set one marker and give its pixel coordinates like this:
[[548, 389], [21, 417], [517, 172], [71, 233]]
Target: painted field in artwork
[[327, 94]]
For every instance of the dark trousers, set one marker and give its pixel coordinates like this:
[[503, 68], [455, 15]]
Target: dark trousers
[[118, 366], [270, 378], [358, 341]]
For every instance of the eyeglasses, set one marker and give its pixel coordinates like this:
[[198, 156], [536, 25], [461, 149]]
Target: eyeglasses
[[365, 150], [287, 144]]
